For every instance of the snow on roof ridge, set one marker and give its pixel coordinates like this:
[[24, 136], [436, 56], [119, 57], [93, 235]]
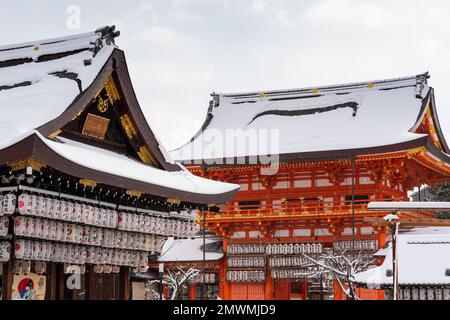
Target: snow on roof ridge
[[94, 41], [327, 88], [46, 41]]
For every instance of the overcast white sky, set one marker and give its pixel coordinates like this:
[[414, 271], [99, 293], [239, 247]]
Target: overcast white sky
[[179, 51]]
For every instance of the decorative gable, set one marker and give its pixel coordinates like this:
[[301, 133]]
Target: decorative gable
[[106, 122]]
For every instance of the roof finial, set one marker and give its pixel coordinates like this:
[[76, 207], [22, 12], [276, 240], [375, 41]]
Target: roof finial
[[421, 81], [108, 33]]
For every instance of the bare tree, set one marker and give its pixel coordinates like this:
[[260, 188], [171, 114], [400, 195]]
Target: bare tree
[[341, 266], [176, 280]]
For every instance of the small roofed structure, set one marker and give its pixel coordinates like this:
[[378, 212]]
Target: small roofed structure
[[188, 253], [191, 250], [423, 265]]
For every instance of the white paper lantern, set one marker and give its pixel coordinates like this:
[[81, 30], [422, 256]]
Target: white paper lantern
[[5, 251], [9, 204], [1, 205], [19, 226]]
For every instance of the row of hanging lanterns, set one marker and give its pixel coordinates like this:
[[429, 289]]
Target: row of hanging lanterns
[[293, 248], [424, 294], [205, 278], [291, 273], [164, 226], [79, 255], [70, 211], [246, 262], [360, 245], [79, 234], [83, 213], [246, 276], [287, 261], [246, 248]]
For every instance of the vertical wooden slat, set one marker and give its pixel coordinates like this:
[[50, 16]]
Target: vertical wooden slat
[[91, 294], [8, 279], [50, 290], [125, 283], [60, 284]]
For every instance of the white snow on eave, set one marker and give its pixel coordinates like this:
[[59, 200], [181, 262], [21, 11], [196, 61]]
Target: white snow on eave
[[164, 151], [120, 165], [186, 250]]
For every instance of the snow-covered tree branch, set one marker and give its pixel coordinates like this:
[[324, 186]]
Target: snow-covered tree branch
[[176, 280], [341, 265]]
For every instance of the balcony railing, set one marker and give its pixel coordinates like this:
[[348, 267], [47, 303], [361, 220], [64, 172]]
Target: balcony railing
[[293, 209]]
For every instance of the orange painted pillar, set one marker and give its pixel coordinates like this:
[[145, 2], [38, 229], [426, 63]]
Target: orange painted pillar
[[380, 294], [165, 292], [337, 292], [224, 284], [305, 289], [382, 237], [192, 292], [268, 290]]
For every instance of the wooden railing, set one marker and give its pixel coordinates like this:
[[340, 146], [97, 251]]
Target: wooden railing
[[298, 207], [294, 208]]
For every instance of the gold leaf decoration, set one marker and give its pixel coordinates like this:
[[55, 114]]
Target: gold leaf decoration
[[134, 193], [127, 126], [54, 134], [88, 183], [174, 201], [145, 156], [32, 162]]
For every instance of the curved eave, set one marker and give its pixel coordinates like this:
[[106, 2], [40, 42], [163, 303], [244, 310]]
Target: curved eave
[[437, 124], [433, 158], [117, 64], [429, 108], [328, 155], [33, 146]]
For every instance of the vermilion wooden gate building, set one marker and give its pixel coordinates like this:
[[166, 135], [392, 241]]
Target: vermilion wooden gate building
[[364, 142]]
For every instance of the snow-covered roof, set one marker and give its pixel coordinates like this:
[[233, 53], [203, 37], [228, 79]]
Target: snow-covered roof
[[344, 117], [382, 252], [423, 258], [188, 250], [35, 89], [45, 84]]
